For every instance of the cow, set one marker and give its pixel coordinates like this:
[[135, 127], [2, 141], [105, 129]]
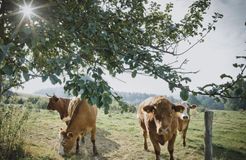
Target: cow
[[60, 105], [83, 120], [184, 120], [158, 119], [65, 107]]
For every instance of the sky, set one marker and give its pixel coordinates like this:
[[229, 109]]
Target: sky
[[212, 58]]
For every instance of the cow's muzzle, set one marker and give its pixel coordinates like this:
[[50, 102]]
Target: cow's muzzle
[[185, 117], [162, 131]]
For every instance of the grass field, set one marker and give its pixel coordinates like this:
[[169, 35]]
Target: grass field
[[119, 137]]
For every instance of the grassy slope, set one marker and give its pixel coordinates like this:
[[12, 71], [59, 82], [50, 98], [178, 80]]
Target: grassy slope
[[119, 137]]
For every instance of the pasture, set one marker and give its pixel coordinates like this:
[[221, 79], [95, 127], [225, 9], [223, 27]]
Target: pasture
[[119, 137]]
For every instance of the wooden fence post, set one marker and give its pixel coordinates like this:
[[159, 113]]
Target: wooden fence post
[[208, 148]]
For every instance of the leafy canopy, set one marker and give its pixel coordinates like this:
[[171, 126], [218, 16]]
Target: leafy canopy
[[76, 42]]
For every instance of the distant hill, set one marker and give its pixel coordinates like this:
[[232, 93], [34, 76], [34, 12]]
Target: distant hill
[[58, 91], [130, 97]]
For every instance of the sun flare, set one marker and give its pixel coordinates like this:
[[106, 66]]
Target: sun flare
[[29, 17], [27, 10]]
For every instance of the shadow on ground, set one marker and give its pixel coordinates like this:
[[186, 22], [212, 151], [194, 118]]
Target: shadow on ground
[[220, 152], [104, 146]]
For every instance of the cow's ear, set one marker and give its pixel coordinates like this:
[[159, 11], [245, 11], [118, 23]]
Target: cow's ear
[[193, 106], [149, 108], [178, 108], [70, 135]]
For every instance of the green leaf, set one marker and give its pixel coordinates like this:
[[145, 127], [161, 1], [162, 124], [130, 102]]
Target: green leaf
[[99, 71], [93, 100], [107, 100], [235, 65], [7, 69], [134, 73], [184, 94], [171, 86], [44, 78], [54, 79], [238, 91], [106, 109], [4, 49], [225, 76], [75, 92], [26, 76]]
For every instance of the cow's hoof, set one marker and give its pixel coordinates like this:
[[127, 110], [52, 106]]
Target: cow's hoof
[[147, 150], [95, 154], [95, 151]]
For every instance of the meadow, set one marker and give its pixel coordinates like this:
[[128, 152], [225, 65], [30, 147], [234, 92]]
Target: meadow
[[119, 137]]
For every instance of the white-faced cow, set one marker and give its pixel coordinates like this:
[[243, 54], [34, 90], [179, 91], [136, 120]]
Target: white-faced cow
[[83, 120], [158, 119], [184, 120]]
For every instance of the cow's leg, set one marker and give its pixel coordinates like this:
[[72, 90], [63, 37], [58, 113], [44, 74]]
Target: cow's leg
[[145, 134], [184, 137], [170, 146], [145, 140], [82, 139], [93, 140], [77, 144], [156, 146]]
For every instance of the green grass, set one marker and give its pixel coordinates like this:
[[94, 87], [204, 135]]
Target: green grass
[[120, 137]]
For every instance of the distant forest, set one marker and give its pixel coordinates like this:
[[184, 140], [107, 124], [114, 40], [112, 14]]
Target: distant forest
[[132, 98], [135, 98]]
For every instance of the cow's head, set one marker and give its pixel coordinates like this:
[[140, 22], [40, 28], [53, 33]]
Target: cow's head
[[163, 114], [185, 115], [52, 105], [66, 142]]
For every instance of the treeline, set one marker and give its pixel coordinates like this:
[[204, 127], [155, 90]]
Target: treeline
[[200, 100], [210, 103], [206, 102], [28, 101], [132, 98]]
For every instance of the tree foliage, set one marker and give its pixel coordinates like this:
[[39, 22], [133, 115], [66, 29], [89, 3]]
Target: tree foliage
[[239, 89], [233, 88], [66, 41]]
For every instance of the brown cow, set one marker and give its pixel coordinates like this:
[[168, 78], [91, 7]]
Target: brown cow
[[184, 120], [60, 105], [158, 119], [83, 120], [65, 107]]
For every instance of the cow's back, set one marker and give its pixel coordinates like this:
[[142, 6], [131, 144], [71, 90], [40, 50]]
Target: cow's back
[[84, 116]]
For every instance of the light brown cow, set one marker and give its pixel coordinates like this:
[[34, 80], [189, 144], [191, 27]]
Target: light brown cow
[[158, 119], [184, 120], [65, 108], [83, 120]]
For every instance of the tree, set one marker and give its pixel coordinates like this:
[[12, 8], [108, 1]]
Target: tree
[[236, 104], [65, 41], [223, 91]]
